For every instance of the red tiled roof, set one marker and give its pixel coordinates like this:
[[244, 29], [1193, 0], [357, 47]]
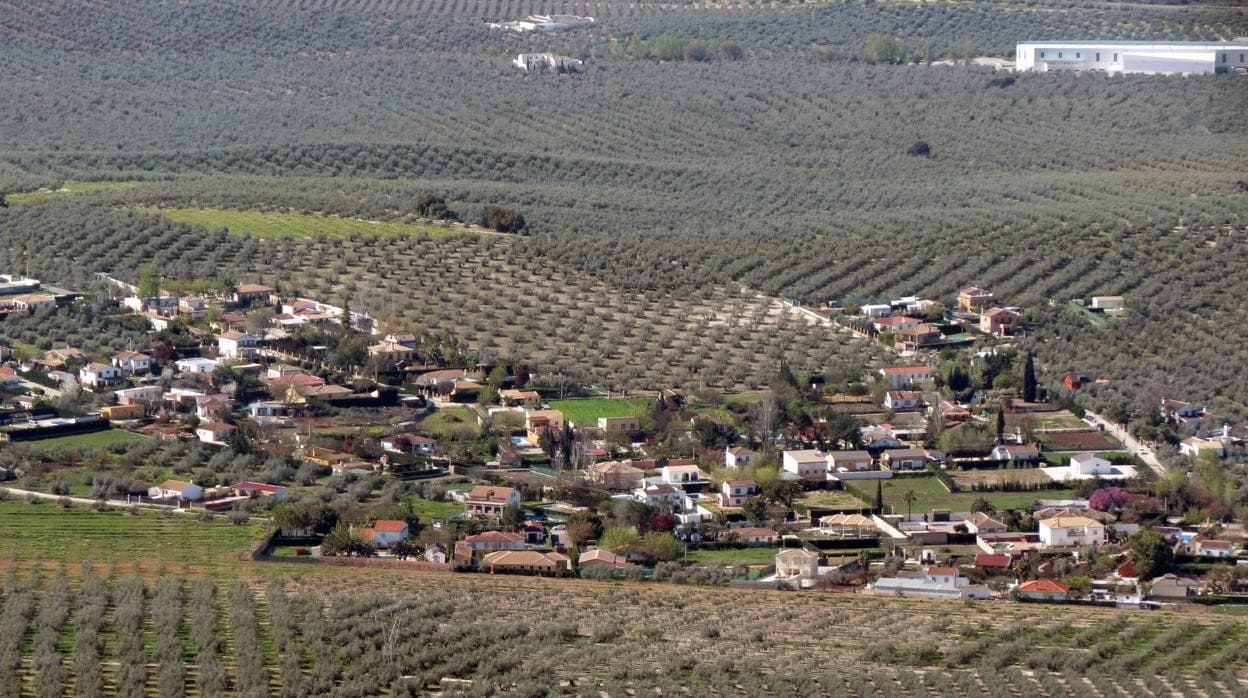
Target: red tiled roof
[[906, 369], [942, 570], [993, 561], [389, 525], [1044, 586]]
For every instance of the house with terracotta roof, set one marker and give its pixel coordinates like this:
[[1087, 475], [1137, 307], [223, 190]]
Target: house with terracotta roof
[[737, 456], [495, 540], [132, 363], [513, 397], [177, 489], [247, 293], [489, 501], [96, 375], [1209, 547], [661, 496], [994, 562], [753, 535], [247, 488], [1043, 590], [915, 338], [617, 476], [895, 323], [538, 424], [601, 558], [1000, 321], [10, 380], [214, 432], [526, 562], [850, 461], [385, 532], [903, 399], [973, 299], [980, 522]]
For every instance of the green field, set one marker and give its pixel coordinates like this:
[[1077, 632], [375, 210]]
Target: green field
[[933, 495], [586, 411], [296, 225], [734, 556], [429, 509], [68, 188], [46, 531], [95, 439]]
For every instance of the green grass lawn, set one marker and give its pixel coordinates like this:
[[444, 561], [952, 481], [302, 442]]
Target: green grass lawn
[[734, 556], [46, 531], [446, 422], [294, 224], [95, 439], [70, 187], [585, 412], [933, 495], [429, 509]]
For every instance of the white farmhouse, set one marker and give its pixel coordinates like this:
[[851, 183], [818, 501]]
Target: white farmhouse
[[236, 345], [1067, 531]]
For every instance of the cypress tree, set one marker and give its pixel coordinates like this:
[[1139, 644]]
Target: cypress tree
[[879, 496], [1029, 379]]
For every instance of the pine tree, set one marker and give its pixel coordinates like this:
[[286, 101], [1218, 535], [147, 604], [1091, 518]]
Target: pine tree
[[1029, 379]]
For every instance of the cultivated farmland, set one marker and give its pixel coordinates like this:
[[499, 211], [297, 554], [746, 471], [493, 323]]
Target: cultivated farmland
[[420, 633], [293, 224]]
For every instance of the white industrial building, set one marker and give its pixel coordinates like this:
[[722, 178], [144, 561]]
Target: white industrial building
[[1146, 57]]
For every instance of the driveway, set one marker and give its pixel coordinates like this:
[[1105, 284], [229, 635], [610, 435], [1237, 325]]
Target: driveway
[[1143, 451]]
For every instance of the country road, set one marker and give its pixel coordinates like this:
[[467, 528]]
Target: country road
[[1136, 447]]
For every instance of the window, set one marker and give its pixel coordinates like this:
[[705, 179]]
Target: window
[[1241, 58], [1042, 54], [1115, 58], [1077, 55], [1224, 58], [1059, 54]]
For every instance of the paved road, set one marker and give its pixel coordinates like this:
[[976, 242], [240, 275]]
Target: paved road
[[1137, 447]]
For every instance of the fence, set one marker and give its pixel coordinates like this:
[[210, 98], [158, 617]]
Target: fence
[[386, 564]]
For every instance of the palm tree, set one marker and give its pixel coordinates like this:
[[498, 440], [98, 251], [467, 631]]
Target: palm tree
[[909, 498]]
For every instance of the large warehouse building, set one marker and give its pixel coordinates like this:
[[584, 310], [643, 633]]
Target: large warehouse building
[[1148, 57]]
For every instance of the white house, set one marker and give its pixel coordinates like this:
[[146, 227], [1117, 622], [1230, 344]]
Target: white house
[[234, 345], [1194, 446], [937, 582], [904, 458], [661, 496], [1089, 464], [1067, 531], [386, 532], [877, 310], [682, 474], [795, 563], [435, 553], [94, 375], [196, 365], [412, 444], [177, 489], [733, 493], [1043, 590], [212, 432], [737, 456], [1016, 452], [139, 394], [132, 363], [899, 377], [1214, 548], [488, 501], [806, 464], [903, 399], [1124, 57]]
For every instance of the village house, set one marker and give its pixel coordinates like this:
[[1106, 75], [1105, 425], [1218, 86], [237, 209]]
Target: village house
[[177, 489], [806, 465], [752, 535], [851, 461], [489, 501], [1193, 446], [390, 350], [915, 338], [681, 475], [96, 375], [385, 532], [899, 377], [599, 558], [214, 432], [249, 293], [616, 476], [248, 488], [1071, 531], [196, 365], [903, 399], [194, 307], [236, 346], [904, 458], [60, 358], [512, 397], [895, 323], [213, 406], [1043, 590], [543, 424], [132, 363], [115, 413], [980, 522], [798, 564], [435, 554], [1171, 587], [1000, 321], [10, 380], [1183, 413], [974, 299], [409, 444], [495, 540], [526, 562], [936, 582], [624, 425], [1209, 547], [733, 493], [661, 496], [737, 456], [1016, 452]]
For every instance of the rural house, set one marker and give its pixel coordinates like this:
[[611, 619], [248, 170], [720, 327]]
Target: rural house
[[132, 363], [488, 501], [1071, 531], [733, 493], [899, 377], [1000, 321], [96, 375], [385, 532], [974, 299], [177, 489], [806, 465], [236, 346]]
